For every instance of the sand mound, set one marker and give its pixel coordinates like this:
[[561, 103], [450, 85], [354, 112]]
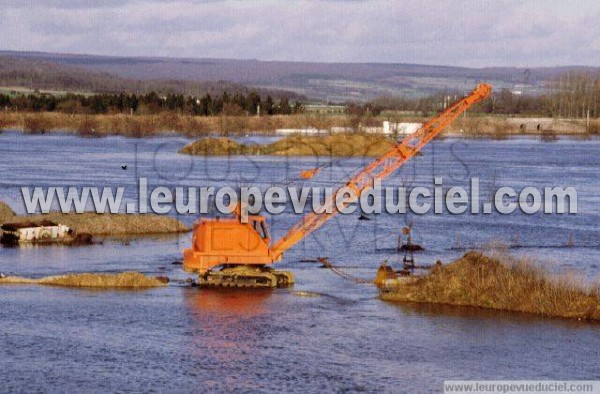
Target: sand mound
[[345, 145], [128, 280], [511, 285], [213, 147], [331, 145]]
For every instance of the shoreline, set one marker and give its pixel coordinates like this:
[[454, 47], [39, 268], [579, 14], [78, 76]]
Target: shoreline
[[165, 124], [103, 224], [172, 133]]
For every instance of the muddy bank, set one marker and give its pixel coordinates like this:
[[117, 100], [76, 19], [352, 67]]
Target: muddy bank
[[501, 283], [125, 280], [103, 224], [347, 145]]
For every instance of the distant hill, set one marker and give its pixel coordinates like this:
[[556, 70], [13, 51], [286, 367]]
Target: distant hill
[[334, 82], [46, 74]]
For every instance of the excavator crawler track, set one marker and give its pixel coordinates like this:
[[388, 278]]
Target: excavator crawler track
[[244, 276]]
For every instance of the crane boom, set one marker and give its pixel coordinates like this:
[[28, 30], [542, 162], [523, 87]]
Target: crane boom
[[379, 170]]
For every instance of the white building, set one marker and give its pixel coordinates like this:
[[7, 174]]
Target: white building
[[307, 131], [44, 231], [388, 128], [403, 128]]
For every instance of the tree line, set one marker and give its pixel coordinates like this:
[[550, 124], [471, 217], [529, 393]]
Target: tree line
[[570, 95], [504, 102], [238, 104]]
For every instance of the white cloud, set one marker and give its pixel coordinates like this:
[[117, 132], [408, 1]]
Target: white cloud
[[473, 33]]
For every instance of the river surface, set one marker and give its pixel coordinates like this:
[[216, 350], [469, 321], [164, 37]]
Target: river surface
[[182, 339]]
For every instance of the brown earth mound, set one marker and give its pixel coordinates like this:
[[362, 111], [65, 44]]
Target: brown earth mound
[[331, 145], [511, 285], [297, 145], [213, 147], [6, 213], [102, 224], [108, 224]]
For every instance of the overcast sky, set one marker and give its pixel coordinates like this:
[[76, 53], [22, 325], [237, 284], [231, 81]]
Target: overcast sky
[[445, 32]]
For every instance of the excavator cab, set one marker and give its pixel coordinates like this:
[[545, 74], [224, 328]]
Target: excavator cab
[[229, 253], [221, 241]]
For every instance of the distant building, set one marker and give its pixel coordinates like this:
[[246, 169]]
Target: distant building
[[312, 131], [402, 128], [324, 109], [335, 130], [388, 128], [372, 129]]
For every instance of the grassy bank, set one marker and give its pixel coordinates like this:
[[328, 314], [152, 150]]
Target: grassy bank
[[359, 145], [195, 126], [498, 127], [503, 283], [140, 126], [103, 224]]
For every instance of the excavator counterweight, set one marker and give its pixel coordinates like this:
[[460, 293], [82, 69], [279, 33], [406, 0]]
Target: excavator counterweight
[[227, 252]]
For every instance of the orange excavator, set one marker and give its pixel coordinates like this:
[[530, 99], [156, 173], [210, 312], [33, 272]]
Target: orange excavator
[[230, 253]]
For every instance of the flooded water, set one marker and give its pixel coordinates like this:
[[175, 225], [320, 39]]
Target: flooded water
[[181, 338]]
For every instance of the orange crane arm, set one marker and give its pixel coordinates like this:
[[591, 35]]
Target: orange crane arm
[[379, 169]]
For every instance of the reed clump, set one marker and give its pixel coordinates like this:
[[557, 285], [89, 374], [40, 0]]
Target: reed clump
[[594, 127], [37, 123], [501, 282]]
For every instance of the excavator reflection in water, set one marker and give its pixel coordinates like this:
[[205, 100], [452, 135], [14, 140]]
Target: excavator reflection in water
[[228, 322], [229, 253], [232, 304]]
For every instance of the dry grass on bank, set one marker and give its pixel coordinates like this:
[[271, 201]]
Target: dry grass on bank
[[140, 126], [488, 126], [149, 125], [358, 145], [503, 127], [103, 224], [594, 127], [125, 280], [503, 283]]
